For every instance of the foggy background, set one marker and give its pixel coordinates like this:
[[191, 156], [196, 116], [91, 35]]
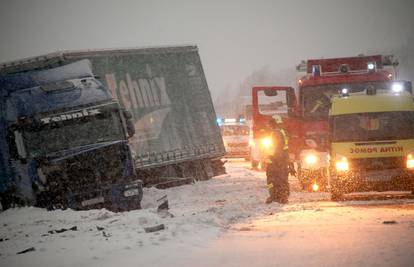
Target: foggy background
[[241, 43]]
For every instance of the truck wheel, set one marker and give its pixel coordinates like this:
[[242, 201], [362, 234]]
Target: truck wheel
[[255, 164], [263, 165], [305, 184], [336, 193], [9, 200]]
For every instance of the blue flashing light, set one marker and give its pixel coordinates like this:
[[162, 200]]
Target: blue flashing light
[[219, 121]]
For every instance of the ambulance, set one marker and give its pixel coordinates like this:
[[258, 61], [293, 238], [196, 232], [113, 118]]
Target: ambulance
[[372, 140]]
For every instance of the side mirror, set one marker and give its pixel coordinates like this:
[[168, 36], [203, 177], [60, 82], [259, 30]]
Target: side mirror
[[127, 114], [129, 123], [270, 92], [291, 102]]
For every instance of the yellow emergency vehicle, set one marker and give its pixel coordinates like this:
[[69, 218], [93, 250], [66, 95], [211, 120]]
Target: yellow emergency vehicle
[[372, 142]]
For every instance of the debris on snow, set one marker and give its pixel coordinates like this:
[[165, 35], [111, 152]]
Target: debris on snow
[[26, 250], [389, 222], [163, 203], [105, 234], [154, 228], [73, 228]]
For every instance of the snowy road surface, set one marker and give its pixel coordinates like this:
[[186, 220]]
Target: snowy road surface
[[220, 222]]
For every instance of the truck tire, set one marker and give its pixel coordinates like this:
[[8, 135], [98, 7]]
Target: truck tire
[[306, 186], [9, 200], [263, 165], [255, 164], [337, 192]]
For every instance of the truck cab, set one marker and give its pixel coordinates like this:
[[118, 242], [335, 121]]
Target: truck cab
[[65, 142], [372, 140], [268, 101]]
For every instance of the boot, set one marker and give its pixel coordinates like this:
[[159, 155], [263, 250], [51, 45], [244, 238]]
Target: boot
[[269, 200], [272, 193]]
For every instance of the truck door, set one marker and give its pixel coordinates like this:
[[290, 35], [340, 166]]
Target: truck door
[[268, 101]]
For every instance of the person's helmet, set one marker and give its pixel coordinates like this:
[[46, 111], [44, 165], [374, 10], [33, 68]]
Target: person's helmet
[[277, 119]]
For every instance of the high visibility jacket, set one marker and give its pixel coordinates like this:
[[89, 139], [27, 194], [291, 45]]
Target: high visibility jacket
[[285, 139], [280, 139], [280, 146]]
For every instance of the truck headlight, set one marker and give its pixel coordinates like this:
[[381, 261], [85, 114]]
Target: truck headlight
[[342, 164], [397, 87], [410, 161], [266, 142], [311, 159], [315, 187], [251, 142]]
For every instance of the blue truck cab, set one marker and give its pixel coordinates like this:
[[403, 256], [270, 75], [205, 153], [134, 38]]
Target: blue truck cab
[[64, 142]]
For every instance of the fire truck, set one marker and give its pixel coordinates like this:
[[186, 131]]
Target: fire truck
[[305, 112]]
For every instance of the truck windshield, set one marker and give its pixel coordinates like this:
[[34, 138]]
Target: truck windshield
[[316, 99], [53, 137], [229, 130], [373, 126]]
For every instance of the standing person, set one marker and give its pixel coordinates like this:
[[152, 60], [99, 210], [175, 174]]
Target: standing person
[[277, 172]]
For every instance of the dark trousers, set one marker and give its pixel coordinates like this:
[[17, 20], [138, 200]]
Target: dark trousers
[[277, 181]]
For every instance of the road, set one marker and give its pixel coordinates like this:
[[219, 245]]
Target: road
[[321, 233]]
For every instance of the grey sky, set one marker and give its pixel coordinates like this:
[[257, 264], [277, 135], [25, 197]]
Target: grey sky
[[234, 37]]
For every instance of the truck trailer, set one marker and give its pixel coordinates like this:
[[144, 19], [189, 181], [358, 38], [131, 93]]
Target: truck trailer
[[64, 142], [165, 90]]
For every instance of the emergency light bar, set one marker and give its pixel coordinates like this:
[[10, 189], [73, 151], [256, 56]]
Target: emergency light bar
[[221, 121]]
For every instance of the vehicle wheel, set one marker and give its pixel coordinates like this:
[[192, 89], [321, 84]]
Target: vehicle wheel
[[255, 164], [9, 200], [263, 165], [336, 193], [306, 186]]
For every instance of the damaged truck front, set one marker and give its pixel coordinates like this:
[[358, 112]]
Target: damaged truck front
[[64, 142]]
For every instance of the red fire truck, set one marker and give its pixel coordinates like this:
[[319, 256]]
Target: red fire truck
[[305, 115]]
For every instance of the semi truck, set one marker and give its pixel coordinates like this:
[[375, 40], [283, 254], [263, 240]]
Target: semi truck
[[164, 89], [372, 141], [64, 142]]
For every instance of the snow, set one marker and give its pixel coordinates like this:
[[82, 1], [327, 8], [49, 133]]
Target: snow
[[220, 222]]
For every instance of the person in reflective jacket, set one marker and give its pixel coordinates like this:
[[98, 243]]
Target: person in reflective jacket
[[277, 172]]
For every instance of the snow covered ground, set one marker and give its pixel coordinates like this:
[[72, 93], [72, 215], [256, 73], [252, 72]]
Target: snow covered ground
[[220, 222]]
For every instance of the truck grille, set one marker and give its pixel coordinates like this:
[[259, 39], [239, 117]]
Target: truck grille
[[378, 163], [88, 172], [237, 144]]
